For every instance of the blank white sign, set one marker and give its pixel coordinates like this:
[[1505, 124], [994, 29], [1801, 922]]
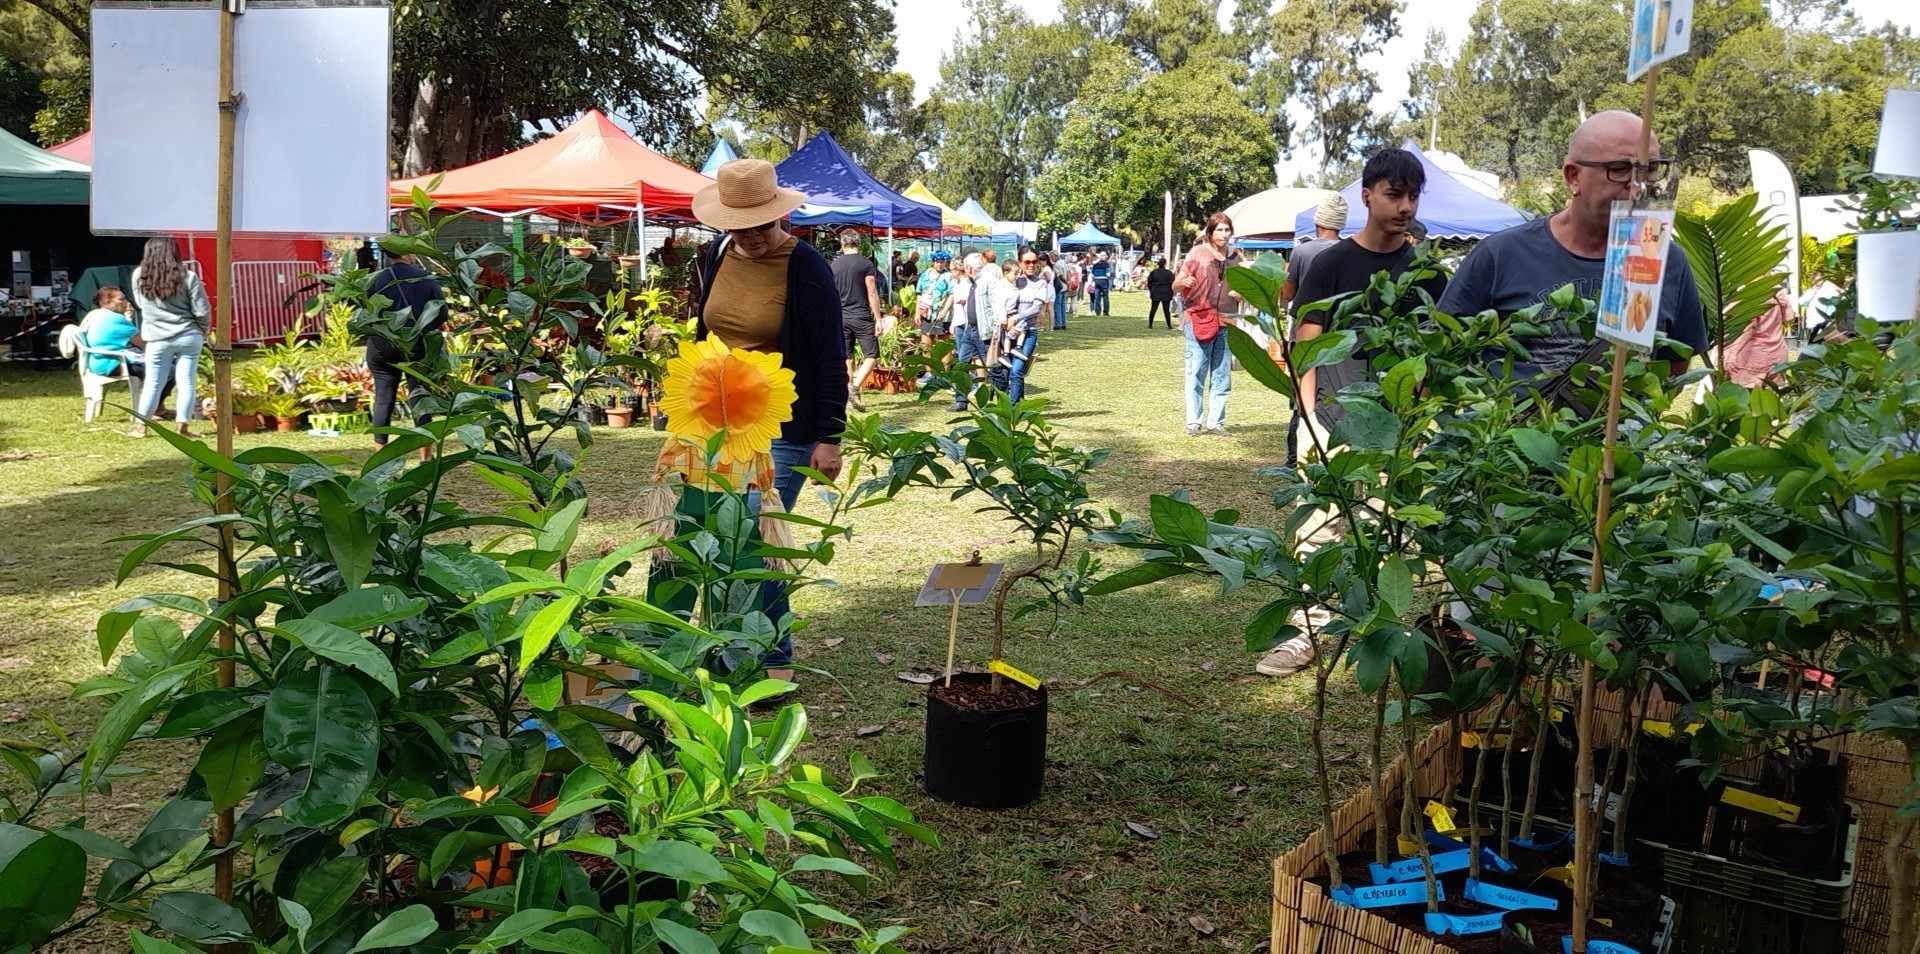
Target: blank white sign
[[1889, 286], [1898, 153], [310, 157]]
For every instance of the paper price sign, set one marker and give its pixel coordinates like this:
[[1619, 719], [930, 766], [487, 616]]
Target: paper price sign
[[1636, 267], [1662, 30]]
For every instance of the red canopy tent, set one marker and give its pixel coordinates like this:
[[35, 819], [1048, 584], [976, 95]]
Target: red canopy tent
[[79, 149], [591, 168]]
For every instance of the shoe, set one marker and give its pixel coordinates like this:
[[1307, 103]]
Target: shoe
[[1217, 431], [1193, 430], [1287, 658], [853, 398], [957, 406]]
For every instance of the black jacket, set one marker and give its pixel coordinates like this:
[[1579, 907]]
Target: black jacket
[[812, 344]]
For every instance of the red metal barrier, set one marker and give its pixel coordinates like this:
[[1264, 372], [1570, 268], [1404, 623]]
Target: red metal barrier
[[269, 297]]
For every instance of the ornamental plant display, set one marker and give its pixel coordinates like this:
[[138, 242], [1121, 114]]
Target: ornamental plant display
[[403, 759]]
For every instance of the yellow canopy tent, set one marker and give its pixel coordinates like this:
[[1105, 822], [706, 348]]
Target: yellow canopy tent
[[952, 220]]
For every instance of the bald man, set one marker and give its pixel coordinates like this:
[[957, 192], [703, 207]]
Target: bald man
[[1520, 267]]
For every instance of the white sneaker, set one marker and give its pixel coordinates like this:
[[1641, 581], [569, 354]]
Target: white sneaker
[[1287, 658], [1193, 430]]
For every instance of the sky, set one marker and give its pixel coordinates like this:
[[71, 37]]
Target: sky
[[927, 29]]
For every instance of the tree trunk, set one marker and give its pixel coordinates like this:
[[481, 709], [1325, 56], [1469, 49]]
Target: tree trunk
[[1318, 731], [1485, 754], [1381, 823], [1633, 770], [1542, 733], [424, 122], [1407, 795], [456, 144]]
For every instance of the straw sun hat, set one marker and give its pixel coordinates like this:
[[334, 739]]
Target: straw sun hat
[[744, 195]]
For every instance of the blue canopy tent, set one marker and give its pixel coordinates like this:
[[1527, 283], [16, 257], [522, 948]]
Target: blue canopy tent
[[722, 154], [839, 192], [1448, 208], [1086, 236]]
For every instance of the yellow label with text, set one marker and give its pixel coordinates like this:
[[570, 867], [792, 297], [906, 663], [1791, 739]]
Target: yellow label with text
[[1442, 818], [1408, 846], [1753, 802], [1024, 678], [1665, 729], [1474, 740], [1564, 873]]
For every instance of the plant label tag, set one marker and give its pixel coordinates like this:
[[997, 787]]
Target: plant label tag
[[973, 581], [1635, 270], [1663, 931], [1463, 926], [1411, 869], [1491, 859], [1612, 799], [1662, 30], [1544, 844], [1442, 818], [1508, 898], [1596, 946], [1438, 841], [1755, 802], [1024, 678], [1617, 860], [1406, 845], [1388, 895]]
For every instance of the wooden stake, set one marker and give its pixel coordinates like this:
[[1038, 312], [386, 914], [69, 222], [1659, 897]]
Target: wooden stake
[[1585, 822], [953, 633], [223, 392]]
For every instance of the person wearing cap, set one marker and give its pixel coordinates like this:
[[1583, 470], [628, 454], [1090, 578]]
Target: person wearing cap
[[764, 290], [933, 300]]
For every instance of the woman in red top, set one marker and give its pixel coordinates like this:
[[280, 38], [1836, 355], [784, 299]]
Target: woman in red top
[[1203, 283]]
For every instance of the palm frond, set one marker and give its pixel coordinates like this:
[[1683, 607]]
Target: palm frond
[[1739, 260]]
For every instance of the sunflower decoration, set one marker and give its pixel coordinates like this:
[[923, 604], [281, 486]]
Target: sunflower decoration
[[742, 395]]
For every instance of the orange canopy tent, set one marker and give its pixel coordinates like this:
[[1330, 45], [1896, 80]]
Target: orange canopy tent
[[590, 169]]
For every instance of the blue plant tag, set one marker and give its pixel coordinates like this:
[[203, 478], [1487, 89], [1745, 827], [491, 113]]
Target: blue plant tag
[[1539, 844], [1463, 926], [1491, 859], [1410, 869], [1444, 842], [1387, 895], [1595, 946], [1508, 898], [1616, 860]]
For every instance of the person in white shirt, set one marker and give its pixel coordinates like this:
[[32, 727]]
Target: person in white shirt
[[1032, 299], [969, 295]]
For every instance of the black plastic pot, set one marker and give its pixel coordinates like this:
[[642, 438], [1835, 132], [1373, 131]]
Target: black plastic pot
[[985, 759]]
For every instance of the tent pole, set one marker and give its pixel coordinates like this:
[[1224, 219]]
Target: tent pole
[[642, 249], [223, 393]]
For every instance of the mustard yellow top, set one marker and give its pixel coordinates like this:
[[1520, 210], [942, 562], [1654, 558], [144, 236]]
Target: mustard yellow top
[[749, 299]]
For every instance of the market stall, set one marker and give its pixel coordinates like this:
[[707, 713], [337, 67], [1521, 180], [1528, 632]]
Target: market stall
[[840, 192]]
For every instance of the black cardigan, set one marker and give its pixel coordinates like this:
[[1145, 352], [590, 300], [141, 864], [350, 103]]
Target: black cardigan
[[812, 343]]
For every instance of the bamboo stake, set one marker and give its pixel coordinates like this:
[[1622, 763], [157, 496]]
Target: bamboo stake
[[953, 634], [1583, 817], [223, 392]]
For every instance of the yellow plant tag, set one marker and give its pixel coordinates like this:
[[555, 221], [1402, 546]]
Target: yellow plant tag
[[1024, 678], [1604, 922], [1665, 730], [1408, 846], [1754, 802], [1442, 818], [1563, 874], [1474, 740]]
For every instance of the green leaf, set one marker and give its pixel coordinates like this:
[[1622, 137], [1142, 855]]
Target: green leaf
[[1538, 446], [343, 646], [371, 606], [683, 939], [778, 926], [349, 541], [460, 570], [557, 534], [544, 626], [409, 925], [1321, 350], [204, 455], [1396, 585], [143, 944], [128, 714], [41, 880], [321, 718], [199, 917], [823, 863], [298, 918], [1178, 522], [204, 712], [1763, 461], [1258, 364], [543, 686], [325, 888], [1137, 575], [679, 860], [1366, 426], [95, 844], [1401, 384], [232, 763], [1900, 470]]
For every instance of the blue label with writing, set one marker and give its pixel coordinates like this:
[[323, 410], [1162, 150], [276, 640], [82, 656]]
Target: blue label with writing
[[1616, 860], [1509, 898], [1387, 895], [1444, 842], [1491, 859], [1463, 926], [1410, 869], [1488, 857], [1596, 946]]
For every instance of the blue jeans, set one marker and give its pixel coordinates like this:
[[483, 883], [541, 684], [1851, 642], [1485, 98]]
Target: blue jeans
[[1209, 372], [1060, 311], [967, 351], [176, 358], [788, 482], [1013, 380], [1098, 298]]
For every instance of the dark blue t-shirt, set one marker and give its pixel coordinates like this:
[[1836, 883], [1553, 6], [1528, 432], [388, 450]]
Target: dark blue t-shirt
[[1520, 267], [1101, 273]]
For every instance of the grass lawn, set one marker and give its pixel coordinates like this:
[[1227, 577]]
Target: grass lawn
[[1227, 784]]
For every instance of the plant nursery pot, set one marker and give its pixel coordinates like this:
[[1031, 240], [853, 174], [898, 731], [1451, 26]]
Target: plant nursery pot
[[630, 261], [659, 421], [246, 423], [985, 750], [286, 424], [580, 252], [619, 417]]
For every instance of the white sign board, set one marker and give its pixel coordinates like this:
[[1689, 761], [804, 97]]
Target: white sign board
[[1662, 30], [1898, 153], [310, 155], [1888, 282]]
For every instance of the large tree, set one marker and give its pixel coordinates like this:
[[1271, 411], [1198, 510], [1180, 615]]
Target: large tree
[[1315, 61], [45, 41], [1000, 103], [468, 75]]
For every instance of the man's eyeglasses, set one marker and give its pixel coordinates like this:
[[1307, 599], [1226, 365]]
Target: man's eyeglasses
[[1622, 170]]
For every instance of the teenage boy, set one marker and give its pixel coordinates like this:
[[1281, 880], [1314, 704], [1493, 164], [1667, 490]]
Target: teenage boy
[[1390, 187]]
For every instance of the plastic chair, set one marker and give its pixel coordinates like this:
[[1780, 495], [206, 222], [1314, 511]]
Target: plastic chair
[[73, 344]]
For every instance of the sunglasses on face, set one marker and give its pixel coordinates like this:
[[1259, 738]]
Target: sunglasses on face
[[1622, 170], [757, 230], [1029, 261]]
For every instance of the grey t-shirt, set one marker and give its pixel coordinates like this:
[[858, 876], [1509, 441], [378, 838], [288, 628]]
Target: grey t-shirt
[[1520, 267], [1304, 252]]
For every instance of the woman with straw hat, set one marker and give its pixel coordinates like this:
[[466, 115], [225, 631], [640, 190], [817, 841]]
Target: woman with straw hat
[[761, 289]]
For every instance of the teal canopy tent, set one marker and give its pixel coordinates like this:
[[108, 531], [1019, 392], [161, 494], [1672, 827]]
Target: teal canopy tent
[[1087, 236], [30, 175], [722, 154]]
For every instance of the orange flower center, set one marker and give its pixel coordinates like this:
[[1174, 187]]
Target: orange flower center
[[729, 392]]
